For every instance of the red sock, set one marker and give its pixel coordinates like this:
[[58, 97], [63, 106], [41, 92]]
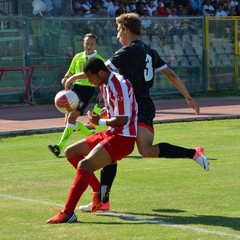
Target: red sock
[[74, 161], [94, 183], [78, 187]]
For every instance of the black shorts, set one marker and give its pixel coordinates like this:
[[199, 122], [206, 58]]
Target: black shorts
[[146, 110], [85, 94]]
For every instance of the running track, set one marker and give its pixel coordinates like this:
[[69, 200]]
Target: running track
[[28, 119]]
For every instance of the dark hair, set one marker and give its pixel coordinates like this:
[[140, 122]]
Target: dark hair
[[94, 65], [91, 35]]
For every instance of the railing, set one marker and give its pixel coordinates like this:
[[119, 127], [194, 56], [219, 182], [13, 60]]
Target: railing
[[27, 76]]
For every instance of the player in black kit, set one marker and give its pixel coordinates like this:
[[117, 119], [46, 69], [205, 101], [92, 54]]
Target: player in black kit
[[139, 63]]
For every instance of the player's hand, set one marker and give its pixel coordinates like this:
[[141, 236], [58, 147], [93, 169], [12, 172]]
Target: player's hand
[[93, 117], [67, 83], [191, 102], [63, 81], [103, 113]]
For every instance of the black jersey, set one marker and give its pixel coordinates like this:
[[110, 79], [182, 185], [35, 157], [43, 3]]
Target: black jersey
[[138, 63]]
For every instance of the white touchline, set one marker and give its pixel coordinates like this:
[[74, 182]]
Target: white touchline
[[30, 200], [129, 217]]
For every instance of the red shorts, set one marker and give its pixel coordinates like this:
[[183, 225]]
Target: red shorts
[[116, 145], [142, 124]]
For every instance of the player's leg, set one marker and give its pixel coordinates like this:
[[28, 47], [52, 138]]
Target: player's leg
[[144, 141], [145, 138], [85, 95], [96, 159], [79, 126], [71, 122], [74, 155], [197, 154], [109, 171], [163, 150], [107, 176], [166, 150]]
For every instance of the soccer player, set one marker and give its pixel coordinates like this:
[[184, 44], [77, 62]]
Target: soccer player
[[139, 63], [83, 88], [105, 147]]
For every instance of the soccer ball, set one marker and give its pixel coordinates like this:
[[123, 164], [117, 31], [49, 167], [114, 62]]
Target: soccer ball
[[66, 101]]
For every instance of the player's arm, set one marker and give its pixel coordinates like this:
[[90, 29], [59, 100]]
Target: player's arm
[[176, 81], [74, 78], [111, 122], [66, 76], [70, 71]]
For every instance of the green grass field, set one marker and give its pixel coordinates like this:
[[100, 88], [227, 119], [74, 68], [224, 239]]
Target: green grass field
[[151, 199]]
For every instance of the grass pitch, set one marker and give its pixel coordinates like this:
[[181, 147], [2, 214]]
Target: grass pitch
[[151, 199]]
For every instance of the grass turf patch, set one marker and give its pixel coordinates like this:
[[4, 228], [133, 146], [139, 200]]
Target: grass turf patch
[[150, 199]]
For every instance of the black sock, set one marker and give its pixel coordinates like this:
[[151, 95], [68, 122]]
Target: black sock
[[170, 151], [107, 177]]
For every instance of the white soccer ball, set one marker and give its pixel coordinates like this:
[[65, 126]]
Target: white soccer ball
[[66, 101]]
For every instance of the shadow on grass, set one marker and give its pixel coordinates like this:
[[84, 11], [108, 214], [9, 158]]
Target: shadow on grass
[[134, 157], [171, 217], [221, 221]]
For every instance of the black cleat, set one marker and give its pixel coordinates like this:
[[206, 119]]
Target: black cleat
[[54, 149]]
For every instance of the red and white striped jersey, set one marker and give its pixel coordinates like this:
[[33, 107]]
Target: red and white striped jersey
[[119, 100]]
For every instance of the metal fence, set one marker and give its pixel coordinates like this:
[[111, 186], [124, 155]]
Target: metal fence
[[222, 52], [184, 43]]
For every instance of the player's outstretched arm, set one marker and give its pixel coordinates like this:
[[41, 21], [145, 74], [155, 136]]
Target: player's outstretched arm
[[176, 81]]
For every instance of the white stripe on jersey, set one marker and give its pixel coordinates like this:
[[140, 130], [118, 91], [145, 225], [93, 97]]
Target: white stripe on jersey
[[119, 99], [108, 62], [161, 68]]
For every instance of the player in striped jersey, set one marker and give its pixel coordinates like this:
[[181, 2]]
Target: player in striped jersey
[[105, 147]]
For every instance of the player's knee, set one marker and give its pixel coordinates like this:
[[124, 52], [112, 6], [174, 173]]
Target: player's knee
[[72, 120], [147, 151], [144, 151], [67, 152], [86, 165], [73, 117]]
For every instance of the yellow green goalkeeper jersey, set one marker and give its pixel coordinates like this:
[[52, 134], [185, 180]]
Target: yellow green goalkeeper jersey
[[76, 66]]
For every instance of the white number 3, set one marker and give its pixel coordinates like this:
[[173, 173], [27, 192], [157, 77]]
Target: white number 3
[[148, 71]]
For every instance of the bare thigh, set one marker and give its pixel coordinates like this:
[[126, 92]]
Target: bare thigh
[[145, 143], [97, 158], [77, 149]]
